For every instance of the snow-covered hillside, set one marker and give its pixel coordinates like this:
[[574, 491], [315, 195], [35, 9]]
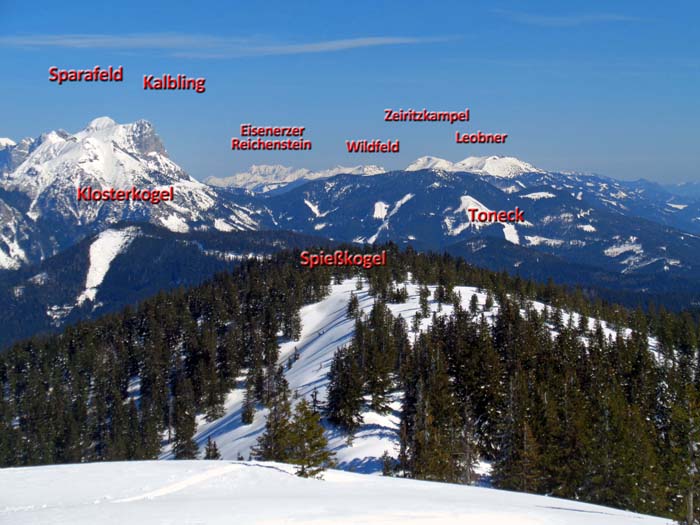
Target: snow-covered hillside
[[326, 327], [224, 492]]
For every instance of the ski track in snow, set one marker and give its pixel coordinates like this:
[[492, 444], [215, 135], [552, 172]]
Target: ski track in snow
[[182, 484]]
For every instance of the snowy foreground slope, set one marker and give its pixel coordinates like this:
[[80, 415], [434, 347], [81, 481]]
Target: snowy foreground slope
[[325, 328], [223, 492]]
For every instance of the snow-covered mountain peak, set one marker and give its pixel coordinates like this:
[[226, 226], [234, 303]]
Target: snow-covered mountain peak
[[430, 163], [103, 154], [101, 123], [6, 143], [496, 166], [139, 137]]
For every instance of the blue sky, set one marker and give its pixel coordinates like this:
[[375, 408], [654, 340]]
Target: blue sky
[[608, 87]]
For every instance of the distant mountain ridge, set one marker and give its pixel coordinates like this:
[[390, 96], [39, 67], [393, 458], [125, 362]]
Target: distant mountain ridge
[[588, 228], [263, 178]]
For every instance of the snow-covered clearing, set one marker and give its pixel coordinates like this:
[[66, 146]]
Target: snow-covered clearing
[[103, 250], [620, 248], [466, 202], [536, 240], [511, 234], [397, 206], [539, 195]]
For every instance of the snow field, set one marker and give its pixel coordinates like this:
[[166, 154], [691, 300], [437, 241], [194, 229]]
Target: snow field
[[252, 493]]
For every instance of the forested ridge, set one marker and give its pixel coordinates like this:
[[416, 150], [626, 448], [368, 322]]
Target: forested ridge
[[556, 405]]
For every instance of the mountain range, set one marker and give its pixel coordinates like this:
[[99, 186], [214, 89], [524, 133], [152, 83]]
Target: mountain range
[[634, 239]]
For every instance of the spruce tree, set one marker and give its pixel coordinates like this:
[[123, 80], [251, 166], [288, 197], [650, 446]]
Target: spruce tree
[[474, 304], [276, 442], [353, 305], [248, 410], [211, 451], [310, 446], [184, 446], [423, 296], [345, 399]]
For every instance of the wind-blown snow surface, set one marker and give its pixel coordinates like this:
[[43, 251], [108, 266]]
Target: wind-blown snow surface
[[223, 492]]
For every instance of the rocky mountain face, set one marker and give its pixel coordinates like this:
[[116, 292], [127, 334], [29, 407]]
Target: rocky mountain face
[[40, 178]]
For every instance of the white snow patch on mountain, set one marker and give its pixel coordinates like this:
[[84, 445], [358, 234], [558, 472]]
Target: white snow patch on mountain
[[175, 224], [223, 226], [453, 218], [6, 143], [496, 166], [536, 240], [623, 247], [314, 208], [677, 206], [58, 313], [258, 493], [510, 233], [586, 227], [320, 226], [538, 195], [11, 255], [380, 209], [100, 123], [103, 250], [397, 206]]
